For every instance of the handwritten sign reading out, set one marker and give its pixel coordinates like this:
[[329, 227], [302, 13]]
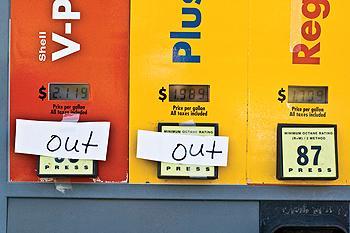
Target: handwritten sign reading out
[[182, 149], [71, 140]]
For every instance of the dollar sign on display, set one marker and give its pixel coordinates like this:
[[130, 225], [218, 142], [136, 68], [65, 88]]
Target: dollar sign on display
[[282, 96], [162, 94], [42, 93]]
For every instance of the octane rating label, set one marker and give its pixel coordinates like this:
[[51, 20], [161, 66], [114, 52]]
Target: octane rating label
[[307, 152], [169, 170]]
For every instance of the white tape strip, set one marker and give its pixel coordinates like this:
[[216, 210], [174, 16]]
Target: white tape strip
[[295, 23]]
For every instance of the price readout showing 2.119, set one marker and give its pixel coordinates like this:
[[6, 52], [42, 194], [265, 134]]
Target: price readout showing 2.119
[[60, 91], [307, 152]]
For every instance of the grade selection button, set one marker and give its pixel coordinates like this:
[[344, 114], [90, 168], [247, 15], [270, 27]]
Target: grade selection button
[[307, 152]]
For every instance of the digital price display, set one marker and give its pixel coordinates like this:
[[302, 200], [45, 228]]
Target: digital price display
[[308, 94], [307, 152], [64, 91], [183, 171], [189, 93]]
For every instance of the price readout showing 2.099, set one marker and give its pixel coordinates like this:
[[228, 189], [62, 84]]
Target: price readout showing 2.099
[[64, 91], [189, 93], [307, 152]]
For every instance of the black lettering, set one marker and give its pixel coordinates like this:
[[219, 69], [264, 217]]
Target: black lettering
[[52, 138], [213, 152], [74, 160], [74, 147], [184, 156], [88, 143], [59, 160], [200, 151]]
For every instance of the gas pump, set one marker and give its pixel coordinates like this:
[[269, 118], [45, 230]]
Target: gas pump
[[69, 61], [297, 124], [189, 78]]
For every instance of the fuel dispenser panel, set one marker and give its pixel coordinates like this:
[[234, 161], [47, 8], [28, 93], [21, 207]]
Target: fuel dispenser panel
[[189, 67], [298, 85], [70, 58]]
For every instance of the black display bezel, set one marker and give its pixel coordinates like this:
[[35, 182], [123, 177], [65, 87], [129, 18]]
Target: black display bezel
[[69, 84], [189, 101], [308, 102]]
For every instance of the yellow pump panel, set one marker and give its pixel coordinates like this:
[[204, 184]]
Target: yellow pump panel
[[310, 88], [188, 43]]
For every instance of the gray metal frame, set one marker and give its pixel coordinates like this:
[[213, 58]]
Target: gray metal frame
[[127, 191]]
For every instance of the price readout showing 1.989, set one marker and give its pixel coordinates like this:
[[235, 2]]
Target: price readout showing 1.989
[[189, 93], [308, 94], [63, 91], [307, 152]]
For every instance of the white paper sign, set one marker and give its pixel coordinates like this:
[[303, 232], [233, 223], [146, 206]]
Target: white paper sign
[[182, 149], [71, 140]]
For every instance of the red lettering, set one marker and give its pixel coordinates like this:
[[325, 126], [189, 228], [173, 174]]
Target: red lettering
[[316, 9], [308, 32], [311, 31], [303, 55]]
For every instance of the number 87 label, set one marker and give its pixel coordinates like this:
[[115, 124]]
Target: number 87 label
[[307, 152]]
